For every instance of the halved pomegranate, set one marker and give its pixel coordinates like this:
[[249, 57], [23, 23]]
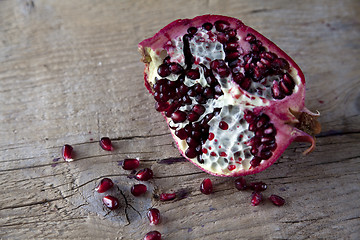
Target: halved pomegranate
[[232, 99]]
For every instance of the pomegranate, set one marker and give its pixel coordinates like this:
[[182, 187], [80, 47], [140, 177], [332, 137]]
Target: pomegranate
[[232, 99], [104, 185], [153, 235], [258, 186], [66, 152], [154, 216]]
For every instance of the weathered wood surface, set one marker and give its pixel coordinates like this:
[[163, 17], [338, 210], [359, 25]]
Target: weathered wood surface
[[70, 73]]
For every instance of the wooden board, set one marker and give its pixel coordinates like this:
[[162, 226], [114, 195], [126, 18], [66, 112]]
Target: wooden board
[[70, 73]]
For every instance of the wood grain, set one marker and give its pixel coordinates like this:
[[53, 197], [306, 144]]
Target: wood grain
[[70, 73]]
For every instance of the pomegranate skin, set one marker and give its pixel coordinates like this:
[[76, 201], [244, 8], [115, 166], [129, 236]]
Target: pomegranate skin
[[264, 81]]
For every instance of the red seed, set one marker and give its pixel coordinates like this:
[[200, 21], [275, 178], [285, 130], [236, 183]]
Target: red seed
[[105, 144], [154, 216], [240, 184], [144, 174], [256, 198], [167, 196], [111, 202], [153, 235], [178, 116], [104, 185], [67, 152], [206, 186], [258, 186], [277, 200], [130, 164], [138, 189], [223, 125]]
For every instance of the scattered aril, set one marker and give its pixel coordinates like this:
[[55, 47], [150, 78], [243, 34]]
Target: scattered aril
[[67, 153], [153, 235], [110, 202], [240, 184], [104, 185], [258, 186], [138, 189], [154, 216], [130, 164], [256, 198], [144, 174], [277, 200], [167, 196], [106, 144], [206, 186]]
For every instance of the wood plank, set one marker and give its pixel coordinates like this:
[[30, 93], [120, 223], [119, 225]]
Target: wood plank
[[70, 73]]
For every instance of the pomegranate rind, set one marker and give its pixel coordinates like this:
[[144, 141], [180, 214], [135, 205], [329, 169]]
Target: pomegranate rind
[[154, 51]]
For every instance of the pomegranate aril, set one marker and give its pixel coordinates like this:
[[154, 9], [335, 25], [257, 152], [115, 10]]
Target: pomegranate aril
[[256, 198], [207, 26], [181, 133], [191, 152], [154, 216], [104, 185], [144, 174], [192, 142], [223, 125], [161, 106], [106, 144], [178, 116], [164, 70], [193, 74], [110, 202], [221, 25], [240, 184], [250, 38], [138, 189], [258, 186], [167, 196], [175, 68], [192, 117], [255, 162], [206, 186], [199, 109], [130, 164], [277, 200], [192, 30], [153, 235], [66, 152]]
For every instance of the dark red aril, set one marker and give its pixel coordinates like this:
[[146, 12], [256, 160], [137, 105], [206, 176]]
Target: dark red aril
[[111, 202], [223, 125], [277, 200], [258, 186], [144, 174], [256, 198], [106, 144], [153, 235], [167, 196], [130, 164], [240, 184], [104, 185], [66, 152], [154, 216], [206, 186], [138, 189]]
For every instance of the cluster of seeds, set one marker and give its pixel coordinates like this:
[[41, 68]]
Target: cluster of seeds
[[258, 188]]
